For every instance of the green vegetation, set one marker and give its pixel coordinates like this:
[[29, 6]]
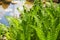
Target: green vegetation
[[40, 23]]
